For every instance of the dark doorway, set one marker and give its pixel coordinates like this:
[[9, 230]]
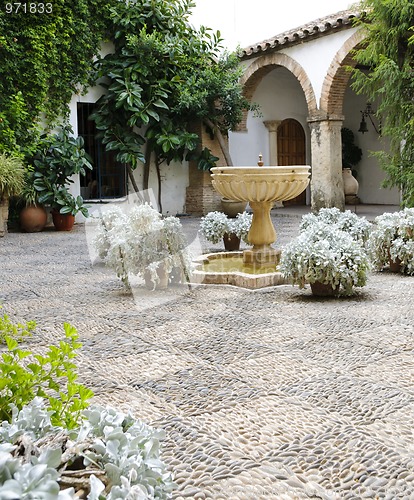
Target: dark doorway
[[291, 150], [107, 180]]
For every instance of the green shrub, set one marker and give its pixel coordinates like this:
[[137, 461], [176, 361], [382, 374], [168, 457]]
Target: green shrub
[[25, 375], [17, 331]]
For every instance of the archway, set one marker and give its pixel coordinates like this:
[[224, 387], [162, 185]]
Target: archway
[[262, 66]]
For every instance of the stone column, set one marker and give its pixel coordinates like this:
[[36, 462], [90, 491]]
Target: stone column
[[327, 188], [272, 126]]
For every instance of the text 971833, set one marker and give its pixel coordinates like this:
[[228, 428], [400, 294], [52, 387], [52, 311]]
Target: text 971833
[[28, 8]]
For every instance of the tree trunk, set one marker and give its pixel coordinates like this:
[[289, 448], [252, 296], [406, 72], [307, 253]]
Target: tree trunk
[[221, 141], [147, 164], [157, 166]]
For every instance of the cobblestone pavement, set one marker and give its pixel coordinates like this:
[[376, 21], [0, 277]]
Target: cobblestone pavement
[[266, 394]]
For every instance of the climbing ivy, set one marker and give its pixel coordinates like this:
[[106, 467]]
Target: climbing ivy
[[44, 59]]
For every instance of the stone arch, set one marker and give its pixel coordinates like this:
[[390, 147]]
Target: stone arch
[[264, 65], [337, 78]]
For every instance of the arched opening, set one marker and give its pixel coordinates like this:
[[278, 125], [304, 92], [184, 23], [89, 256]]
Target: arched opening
[[291, 150]]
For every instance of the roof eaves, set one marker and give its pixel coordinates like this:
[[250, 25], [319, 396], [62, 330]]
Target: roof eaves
[[320, 27]]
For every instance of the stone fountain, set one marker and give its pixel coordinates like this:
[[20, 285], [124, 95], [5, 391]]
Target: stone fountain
[[261, 186]]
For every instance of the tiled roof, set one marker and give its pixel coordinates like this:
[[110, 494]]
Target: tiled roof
[[323, 26]]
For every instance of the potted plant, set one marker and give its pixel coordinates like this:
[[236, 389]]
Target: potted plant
[[327, 258], [11, 184], [216, 226], [33, 215], [391, 242], [142, 243], [60, 156]]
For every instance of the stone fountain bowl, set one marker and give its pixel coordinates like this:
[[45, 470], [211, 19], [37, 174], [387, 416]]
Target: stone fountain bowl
[[260, 184]]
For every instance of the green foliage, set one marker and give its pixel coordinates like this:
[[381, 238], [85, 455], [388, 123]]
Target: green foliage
[[17, 331], [45, 59], [25, 375], [206, 160], [59, 157], [163, 77], [351, 153], [11, 175], [388, 51]]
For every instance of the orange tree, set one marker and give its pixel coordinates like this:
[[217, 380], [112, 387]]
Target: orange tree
[[163, 76]]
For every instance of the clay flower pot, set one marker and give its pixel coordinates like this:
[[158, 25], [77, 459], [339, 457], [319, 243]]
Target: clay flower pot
[[62, 222], [231, 242], [33, 218], [323, 289], [232, 207]]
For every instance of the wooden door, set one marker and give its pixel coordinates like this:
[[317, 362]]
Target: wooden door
[[291, 150]]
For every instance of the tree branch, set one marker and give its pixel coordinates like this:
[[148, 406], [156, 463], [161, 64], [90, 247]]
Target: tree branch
[[221, 141]]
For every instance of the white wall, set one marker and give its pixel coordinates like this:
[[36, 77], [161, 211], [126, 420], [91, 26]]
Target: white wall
[[316, 56], [279, 96], [369, 173]]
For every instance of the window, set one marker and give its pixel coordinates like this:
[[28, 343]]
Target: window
[[107, 180]]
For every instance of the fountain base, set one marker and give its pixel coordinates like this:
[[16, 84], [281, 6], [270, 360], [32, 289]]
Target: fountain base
[[229, 268], [262, 256]]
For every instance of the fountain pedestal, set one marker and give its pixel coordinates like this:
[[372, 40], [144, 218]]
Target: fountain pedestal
[[261, 187], [261, 235]]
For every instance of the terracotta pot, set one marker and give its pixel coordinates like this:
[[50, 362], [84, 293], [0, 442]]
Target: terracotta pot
[[33, 218], [394, 265], [231, 242], [4, 214], [351, 185], [232, 207], [63, 222], [323, 290]]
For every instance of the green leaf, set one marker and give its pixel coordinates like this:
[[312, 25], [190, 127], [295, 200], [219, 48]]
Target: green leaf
[[153, 114], [160, 104]]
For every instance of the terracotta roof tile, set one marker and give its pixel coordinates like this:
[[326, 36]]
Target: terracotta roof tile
[[323, 26]]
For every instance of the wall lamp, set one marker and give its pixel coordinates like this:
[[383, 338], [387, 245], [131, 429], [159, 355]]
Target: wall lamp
[[368, 113]]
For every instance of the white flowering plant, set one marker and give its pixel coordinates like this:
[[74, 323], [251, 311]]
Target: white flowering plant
[[141, 242], [215, 225], [325, 254], [392, 239], [110, 456], [358, 227]]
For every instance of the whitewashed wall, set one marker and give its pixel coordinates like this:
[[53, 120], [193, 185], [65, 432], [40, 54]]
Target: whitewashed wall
[[369, 174]]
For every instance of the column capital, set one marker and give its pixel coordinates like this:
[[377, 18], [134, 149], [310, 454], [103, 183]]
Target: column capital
[[272, 125], [325, 118]]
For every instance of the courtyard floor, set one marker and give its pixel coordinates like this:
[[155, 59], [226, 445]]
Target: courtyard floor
[[266, 394]]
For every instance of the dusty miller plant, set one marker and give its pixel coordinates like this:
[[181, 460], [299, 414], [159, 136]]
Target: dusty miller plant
[[393, 238], [357, 227], [112, 455], [140, 242], [323, 253], [215, 225]]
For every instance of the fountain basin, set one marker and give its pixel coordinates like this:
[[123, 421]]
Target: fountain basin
[[260, 184], [228, 268]]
